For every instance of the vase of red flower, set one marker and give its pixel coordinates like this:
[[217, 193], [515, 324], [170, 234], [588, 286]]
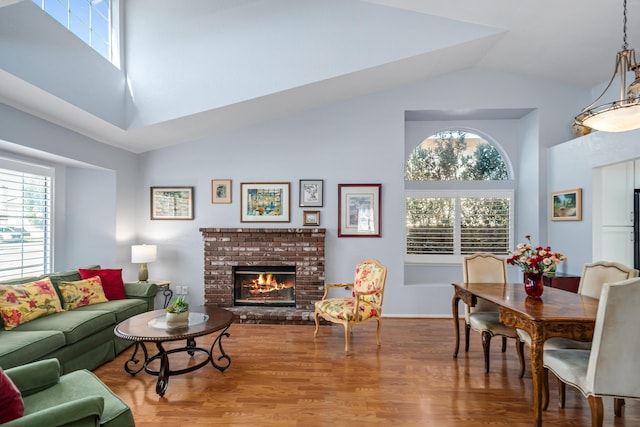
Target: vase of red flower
[[533, 285], [534, 262]]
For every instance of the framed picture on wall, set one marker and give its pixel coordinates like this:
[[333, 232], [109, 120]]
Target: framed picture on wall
[[359, 207], [566, 205], [171, 202], [264, 202], [311, 218], [220, 191], [311, 193]]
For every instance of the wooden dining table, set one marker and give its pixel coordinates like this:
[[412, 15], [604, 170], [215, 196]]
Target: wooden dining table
[[557, 313]]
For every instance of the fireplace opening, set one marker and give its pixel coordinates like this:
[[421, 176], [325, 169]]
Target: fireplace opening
[[271, 286]]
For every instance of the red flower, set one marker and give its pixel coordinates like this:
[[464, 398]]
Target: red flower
[[11, 297]]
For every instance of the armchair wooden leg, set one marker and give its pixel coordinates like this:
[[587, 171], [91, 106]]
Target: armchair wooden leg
[[486, 346], [520, 351], [617, 406], [467, 329], [315, 334], [378, 330], [597, 413], [504, 344], [347, 336]]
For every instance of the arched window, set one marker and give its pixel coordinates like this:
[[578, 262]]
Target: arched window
[[470, 213]]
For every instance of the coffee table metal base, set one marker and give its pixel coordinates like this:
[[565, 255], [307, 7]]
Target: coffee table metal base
[[133, 366]]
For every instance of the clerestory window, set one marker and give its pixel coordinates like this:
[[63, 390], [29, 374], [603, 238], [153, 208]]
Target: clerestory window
[[444, 224], [90, 20]]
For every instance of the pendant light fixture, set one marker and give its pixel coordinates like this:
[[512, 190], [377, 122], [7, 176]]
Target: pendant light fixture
[[623, 114]]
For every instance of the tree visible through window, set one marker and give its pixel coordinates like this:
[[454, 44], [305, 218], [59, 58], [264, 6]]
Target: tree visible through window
[[463, 220]]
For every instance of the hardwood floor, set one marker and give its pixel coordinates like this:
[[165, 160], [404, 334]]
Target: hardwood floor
[[281, 376]]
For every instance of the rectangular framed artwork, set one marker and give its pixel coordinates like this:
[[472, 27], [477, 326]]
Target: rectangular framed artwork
[[359, 207], [220, 191], [311, 193], [311, 218], [264, 202], [171, 202], [566, 205]]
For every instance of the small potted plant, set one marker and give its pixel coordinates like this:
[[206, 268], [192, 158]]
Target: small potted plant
[[178, 313]]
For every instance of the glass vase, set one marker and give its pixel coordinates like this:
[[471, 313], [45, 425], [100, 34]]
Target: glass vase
[[533, 285]]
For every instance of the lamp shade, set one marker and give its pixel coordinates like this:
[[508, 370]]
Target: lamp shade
[[143, 253]]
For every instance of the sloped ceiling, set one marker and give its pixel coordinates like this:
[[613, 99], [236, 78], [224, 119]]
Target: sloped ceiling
[[217, 65]]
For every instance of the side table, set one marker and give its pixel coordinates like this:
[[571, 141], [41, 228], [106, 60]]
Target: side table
[[164, 286]]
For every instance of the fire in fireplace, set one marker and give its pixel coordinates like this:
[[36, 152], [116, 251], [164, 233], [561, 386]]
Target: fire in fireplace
[[272, 286]]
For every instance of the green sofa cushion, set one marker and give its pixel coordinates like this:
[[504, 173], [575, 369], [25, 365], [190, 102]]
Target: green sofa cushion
[[74, 324], [122, 308], [76, 385], [16, 347]]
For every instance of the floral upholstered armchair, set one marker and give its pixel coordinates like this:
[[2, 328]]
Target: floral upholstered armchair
[[364, 304]]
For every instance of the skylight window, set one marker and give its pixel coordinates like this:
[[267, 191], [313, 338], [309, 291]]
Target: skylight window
[[87, 19]]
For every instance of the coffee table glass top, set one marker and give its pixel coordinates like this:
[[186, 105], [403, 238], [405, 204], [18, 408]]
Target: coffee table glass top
[[194, 319]]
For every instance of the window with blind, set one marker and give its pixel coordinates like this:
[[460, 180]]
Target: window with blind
[[25, 219], [444, 225]]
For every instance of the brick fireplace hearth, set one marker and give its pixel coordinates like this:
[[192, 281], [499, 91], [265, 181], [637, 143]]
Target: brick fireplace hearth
[[226, 248]]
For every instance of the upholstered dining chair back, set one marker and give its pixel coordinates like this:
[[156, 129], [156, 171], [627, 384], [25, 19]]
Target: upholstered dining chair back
[[596, 274], [610, 368], [484, 316], [483, 268]]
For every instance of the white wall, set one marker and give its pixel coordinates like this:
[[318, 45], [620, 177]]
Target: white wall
[[358, 141], [571, 165]]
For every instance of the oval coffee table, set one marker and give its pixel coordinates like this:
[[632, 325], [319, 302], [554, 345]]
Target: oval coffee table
[[151, 327]]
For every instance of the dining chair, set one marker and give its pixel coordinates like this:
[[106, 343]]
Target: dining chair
[[610, 367], [483, 317], [594, 276], [364, 304]]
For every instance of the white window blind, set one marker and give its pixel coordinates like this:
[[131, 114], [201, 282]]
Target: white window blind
[[444, 226], [25, 219]]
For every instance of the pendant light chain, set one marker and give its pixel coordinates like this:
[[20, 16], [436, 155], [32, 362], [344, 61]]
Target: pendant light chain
[[625, 45]]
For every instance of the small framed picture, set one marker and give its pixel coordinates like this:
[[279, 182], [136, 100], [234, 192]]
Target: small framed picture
[[220, 191], [264, 202], [566, 205], [311, 193], [171, 202], [359, 207], [311, 218]]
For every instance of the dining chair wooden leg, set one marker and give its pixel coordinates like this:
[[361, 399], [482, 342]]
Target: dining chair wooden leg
[[504, 344], [617, 406], [545, 389], [520, 351], [562, 392], [597, 413], [486, 346], [467, 330]]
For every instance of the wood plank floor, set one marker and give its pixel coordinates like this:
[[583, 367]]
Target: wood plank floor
[[281, 376]]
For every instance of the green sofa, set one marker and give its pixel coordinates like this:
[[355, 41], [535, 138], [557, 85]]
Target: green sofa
[[81, 338], [75, 399]]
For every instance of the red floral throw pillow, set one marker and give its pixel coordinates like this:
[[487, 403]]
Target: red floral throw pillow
[[111, 281], [11, 406]]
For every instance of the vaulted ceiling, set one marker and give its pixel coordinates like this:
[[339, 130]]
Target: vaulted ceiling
[[301, 54]]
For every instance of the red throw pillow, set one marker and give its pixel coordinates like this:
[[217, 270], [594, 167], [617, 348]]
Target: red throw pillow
[[11, 405], [111, 281]]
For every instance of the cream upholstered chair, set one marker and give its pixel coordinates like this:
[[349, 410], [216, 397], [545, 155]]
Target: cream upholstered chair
[[594, 276], [364, 304], [610, 368], [483, 317]]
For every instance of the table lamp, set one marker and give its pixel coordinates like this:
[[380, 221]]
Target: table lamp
[[143, 254]]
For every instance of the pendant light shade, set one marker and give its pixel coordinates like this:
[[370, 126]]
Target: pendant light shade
[[623, 114]]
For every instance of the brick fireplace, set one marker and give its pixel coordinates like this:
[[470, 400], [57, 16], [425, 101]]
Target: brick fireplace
[[302, 248]]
